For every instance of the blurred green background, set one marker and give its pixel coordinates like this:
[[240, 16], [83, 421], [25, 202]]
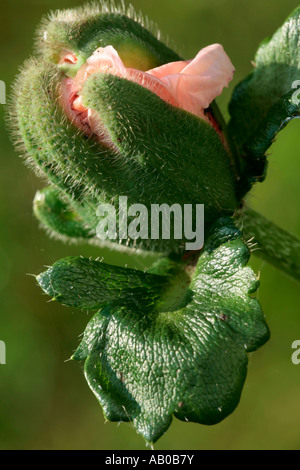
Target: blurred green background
[[45, 402]]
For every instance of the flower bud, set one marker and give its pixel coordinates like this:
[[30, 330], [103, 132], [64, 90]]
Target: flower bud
[[108, 110]]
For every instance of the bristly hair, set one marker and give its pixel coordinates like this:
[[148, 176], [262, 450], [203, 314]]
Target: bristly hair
[[94, 9], [18, 141]]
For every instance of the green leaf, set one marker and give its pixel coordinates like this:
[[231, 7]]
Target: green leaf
[[264, 101], [149, 361], [88, 284], [277, 118]]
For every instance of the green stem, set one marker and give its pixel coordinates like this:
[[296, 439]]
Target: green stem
[[273, 244]]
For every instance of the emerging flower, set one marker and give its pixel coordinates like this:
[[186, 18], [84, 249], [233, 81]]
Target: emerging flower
[[103, 78], [191, 85]]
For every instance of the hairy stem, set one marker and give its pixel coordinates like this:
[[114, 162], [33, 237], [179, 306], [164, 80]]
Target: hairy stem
[[273, 244]]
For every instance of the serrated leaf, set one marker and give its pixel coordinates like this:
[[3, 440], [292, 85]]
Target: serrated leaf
[[146, 364]]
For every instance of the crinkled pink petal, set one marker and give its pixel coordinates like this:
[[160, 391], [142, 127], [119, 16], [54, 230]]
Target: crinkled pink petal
[[196, 84]]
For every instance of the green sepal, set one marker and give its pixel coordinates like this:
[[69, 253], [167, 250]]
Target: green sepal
[[58, 217], [83, 30], [161, 140], [146, 364], [80, 167]]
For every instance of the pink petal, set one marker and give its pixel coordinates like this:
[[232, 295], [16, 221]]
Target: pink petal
[[168, 69], [106, 60], [200, 81], [68, 58]]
